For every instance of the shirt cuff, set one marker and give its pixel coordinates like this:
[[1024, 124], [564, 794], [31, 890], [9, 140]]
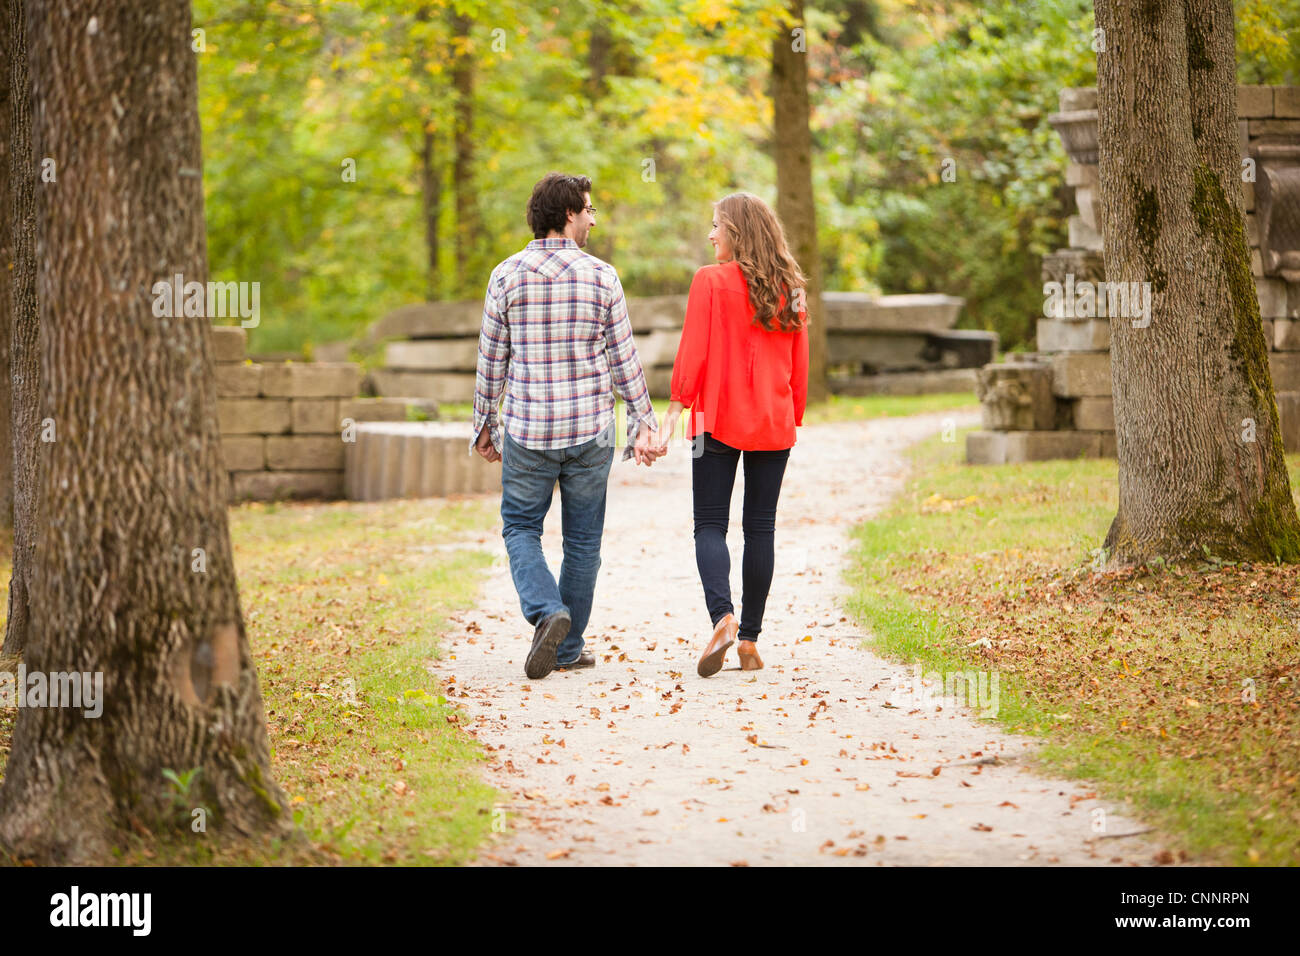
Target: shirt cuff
[[634, 421], [494, 431]]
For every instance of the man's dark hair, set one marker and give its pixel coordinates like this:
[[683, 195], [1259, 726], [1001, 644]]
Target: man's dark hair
[[554, 197]]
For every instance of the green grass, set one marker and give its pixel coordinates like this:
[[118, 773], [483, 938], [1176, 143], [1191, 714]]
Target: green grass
[[1135, 680]]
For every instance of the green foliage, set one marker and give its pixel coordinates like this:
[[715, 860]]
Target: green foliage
[[291, 89], [966, 90]]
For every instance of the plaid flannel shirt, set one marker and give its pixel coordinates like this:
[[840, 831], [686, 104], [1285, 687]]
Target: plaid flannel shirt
[[557, 340]]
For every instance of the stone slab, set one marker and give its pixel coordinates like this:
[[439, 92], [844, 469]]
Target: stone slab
[[653, 313], [252, 416], [238, 379], [379, 409], [962, 348], [1082, 235], [315, 416], [436, 355], [1254, 102], [999, 448], [1274, 127], [243, 452], [986, 448], [658, 348], [1093, 414], [276, 485], [229, 343], [1087, 335], [1272, 295], [879, 351], [1286, 101], [311, 380], [439, 386], [1086, 201], [1046, 446], [905, 383], [1284, 367], [1288, 411], [899, 313], [1079, 175], [304, 452], [1286, 335], [1081, 374]]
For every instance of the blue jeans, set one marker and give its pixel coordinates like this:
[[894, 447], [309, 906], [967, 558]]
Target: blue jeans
[[528, 480]]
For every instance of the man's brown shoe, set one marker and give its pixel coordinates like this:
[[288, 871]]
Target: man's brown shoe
[[724, 635], [749, 659], [585, 659]]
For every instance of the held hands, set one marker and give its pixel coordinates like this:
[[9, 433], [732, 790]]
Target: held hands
[[667, 429], [484, 445], [647, 447]]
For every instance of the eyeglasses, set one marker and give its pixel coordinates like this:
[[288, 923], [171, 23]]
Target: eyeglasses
[[590, 209]]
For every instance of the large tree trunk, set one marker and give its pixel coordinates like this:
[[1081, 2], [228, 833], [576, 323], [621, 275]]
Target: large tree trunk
[[463, 180], [134, 483], [794, 187], [431, 192], [6, 273], [1200, 451], [21, 385]]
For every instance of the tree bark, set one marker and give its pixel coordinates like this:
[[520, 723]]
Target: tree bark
[[134, 482], [1200, 451], [431, 193], [22, 338], [6, 274], [794, 187], [467, 211]]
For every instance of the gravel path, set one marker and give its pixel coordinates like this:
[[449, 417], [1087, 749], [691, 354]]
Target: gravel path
[[827, 756]]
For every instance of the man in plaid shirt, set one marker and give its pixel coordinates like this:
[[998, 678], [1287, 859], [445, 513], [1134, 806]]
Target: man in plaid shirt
[[557, 340]]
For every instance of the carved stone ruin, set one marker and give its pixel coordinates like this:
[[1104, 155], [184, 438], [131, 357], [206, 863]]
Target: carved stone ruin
[[1075, 416]]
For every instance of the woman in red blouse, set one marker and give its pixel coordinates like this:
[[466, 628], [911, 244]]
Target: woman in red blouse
[[742, 370]]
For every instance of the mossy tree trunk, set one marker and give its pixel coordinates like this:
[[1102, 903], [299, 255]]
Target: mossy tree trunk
[[134, 576], [1200, 451], [20, 334], [792, 150]]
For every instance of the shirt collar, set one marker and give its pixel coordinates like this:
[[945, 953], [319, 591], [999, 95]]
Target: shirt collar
[[558, 242]]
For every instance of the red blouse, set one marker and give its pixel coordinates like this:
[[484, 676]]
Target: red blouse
[[745, 385]]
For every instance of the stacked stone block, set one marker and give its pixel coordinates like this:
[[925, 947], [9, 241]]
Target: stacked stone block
[[431, 349], [894, 344], [1056, 403], [282, 424]]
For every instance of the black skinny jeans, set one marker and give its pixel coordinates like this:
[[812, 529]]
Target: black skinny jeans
[[713, 475]]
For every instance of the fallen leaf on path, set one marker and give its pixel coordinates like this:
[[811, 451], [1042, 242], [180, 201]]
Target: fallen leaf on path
[[982, 828], [557, 854]]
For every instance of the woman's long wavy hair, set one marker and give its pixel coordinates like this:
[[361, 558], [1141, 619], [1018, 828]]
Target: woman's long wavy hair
[[758, 246]]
